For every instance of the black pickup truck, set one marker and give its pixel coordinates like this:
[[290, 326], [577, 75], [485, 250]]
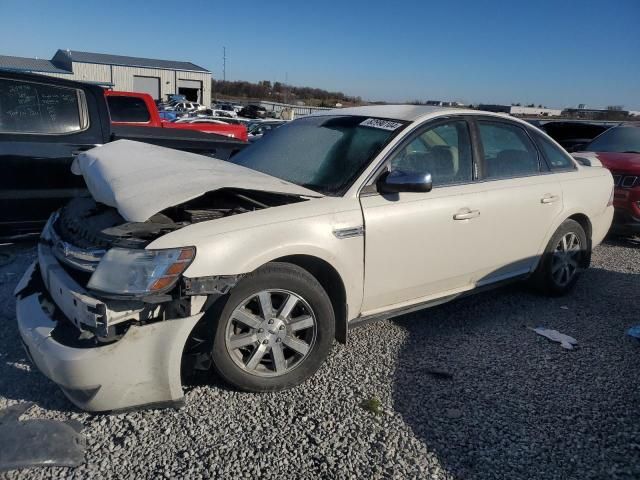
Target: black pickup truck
[[44, 123]]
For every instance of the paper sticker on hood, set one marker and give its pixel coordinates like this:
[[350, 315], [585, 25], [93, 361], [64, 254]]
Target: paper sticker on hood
[[141, 180]]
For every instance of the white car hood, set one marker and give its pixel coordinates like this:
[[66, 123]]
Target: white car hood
[[141, 180]]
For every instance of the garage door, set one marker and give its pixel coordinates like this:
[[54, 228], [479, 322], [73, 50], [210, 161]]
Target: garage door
[[150, 85], [192, 89]]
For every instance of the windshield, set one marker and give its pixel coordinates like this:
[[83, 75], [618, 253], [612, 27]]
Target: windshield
[[324, 153], [617, 139]]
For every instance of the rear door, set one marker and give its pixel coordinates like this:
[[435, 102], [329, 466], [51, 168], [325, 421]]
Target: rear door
[[522, 199], [44, 122]]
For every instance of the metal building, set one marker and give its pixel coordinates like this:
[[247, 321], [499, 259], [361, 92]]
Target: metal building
[[131, 74]]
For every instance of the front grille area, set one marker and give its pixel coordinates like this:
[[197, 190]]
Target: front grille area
[[84, 259], [626, 181]]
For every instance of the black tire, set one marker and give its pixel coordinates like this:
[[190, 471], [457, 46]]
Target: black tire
[[275, 276], [543, 278]]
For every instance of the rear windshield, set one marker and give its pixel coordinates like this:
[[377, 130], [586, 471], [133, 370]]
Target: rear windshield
[[38, 108], [323, 153], [128, 109], [617, 139]]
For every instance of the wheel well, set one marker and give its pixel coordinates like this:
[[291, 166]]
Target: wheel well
[[585, 223], [331, 281]]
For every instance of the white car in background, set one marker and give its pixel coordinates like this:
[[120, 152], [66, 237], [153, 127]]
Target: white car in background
[[253, 267], [186, 107], [225, 110], [216, 121]]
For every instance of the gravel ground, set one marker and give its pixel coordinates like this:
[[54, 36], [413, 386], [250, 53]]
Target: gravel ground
[[517, 405]]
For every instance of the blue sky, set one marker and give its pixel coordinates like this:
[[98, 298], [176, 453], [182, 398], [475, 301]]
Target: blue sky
[[558, 53]]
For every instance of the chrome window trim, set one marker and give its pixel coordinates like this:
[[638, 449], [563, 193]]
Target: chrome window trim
[[363, 190]]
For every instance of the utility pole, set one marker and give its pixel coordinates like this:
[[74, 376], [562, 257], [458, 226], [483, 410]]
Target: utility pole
[[224, 64], [286, 87]]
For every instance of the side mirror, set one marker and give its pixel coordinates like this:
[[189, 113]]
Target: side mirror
[[397, 181]]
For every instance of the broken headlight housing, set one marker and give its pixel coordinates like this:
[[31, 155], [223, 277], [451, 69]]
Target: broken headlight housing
[[140, 272]]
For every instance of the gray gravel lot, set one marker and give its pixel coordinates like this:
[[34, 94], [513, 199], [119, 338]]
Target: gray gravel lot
[[517, 406]]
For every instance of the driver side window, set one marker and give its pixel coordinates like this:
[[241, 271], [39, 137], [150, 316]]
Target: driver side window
[[444, 151]]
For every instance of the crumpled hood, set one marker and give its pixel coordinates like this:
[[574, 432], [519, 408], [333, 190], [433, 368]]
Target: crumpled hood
[[140, 180]]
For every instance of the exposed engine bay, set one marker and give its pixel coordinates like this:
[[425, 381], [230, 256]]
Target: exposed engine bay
[[85, 223]]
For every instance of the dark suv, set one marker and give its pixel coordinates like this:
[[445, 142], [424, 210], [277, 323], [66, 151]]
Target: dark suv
[[253, 111]]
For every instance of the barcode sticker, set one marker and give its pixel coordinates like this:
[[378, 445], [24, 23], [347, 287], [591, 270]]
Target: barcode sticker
[[379, 123]]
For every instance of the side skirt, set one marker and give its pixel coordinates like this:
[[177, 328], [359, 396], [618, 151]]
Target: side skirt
[[361, 321]]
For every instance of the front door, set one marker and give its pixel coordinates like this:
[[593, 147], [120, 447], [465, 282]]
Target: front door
[[421, 245]]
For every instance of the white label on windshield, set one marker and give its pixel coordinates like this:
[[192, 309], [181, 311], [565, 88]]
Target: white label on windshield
[[379, 123]]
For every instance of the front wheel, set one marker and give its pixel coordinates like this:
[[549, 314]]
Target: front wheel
[[275, 329], [566, 255]]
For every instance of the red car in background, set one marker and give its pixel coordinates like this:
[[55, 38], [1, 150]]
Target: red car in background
[[139, 109], [618, 149]]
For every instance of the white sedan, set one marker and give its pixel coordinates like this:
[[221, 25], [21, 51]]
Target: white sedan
[[253, 267]]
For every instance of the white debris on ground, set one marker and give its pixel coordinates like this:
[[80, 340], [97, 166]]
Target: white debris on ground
[[555, 336]]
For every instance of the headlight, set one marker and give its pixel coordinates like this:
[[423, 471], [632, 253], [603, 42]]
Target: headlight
[[140, 272]]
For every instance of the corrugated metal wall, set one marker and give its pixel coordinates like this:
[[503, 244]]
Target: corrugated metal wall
[[122, 77]]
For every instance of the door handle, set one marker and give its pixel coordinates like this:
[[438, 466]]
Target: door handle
[[466, 214], [548, 198]]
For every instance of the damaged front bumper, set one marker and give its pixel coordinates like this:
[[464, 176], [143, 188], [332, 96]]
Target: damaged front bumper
[[142, 368]]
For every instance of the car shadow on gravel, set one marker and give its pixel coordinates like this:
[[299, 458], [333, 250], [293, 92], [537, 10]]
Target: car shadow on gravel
[[517, 405], [623, 241]]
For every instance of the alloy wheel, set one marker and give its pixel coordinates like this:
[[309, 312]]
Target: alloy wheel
[[566, 259], [271, 332]]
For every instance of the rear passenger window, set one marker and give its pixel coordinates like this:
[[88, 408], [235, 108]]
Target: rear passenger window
[[31, 107], [557, 158], [508, 151], [444, 151], [128, 109]]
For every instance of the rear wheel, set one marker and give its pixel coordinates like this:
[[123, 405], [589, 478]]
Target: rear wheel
[[275, 330], [566, 255]]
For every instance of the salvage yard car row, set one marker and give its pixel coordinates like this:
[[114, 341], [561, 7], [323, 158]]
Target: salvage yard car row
[[253, 266]]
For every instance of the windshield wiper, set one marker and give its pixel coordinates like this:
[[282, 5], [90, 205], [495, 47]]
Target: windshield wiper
[[316, 188]]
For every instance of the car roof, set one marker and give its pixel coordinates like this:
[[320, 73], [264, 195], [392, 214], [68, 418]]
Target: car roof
[[409, 113]]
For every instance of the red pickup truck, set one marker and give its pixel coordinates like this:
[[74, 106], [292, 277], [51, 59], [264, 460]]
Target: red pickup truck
[[139, 109]]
